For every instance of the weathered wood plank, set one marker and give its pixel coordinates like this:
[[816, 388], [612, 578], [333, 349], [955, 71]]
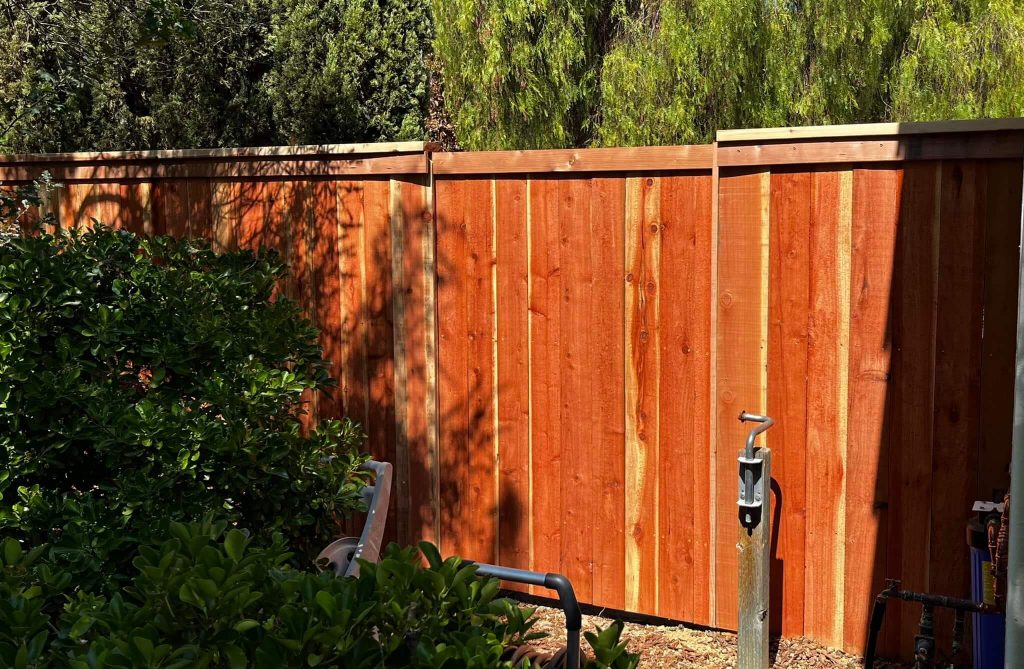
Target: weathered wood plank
[[754, 577]]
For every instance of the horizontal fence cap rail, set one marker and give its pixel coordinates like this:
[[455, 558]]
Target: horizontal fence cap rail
[[319, 150], [626, 159], [299, 162], [863, 130], [1007, 144]]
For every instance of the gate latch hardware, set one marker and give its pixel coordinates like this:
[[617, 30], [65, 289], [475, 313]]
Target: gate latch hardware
[[751, 479]]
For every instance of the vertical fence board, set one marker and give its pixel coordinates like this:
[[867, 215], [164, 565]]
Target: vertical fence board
[[480, 329], [452, 362], [789, 295], [1002, 239], [579, 497], [380, 334], [911, 399], [607, 402], [353, 382], [742, 226], [957, 366], [826, 446], [643, 254], [200, 201], [683, 413], [876, 207], [545, 365], [421, 455], [170, 207], [513, 282]]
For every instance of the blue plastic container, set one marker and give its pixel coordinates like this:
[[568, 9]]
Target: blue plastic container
[[989, 630]]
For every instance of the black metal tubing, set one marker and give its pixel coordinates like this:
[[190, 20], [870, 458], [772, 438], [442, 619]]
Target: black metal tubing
[[892, 591], [566, 597]]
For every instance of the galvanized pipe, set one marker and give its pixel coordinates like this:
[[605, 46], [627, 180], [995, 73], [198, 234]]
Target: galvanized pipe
[[1015, 582], [748, 475]]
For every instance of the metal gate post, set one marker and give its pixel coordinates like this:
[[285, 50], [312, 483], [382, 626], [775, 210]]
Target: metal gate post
[[755, 538]]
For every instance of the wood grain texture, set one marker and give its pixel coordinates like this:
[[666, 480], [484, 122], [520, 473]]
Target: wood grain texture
[[353, 379], [480, 329], [579, 496], [743, 220], [643, 273], [421, 446], [606, 358], [870, 130], [939, 147], [452, 362], [546, 371], [957, 411], [1002, 240], [684, 401], [574, 160], [789, 304], [396, 215], [876, 212], [911, 399], [380, 342], [513, 374], [826, 446]]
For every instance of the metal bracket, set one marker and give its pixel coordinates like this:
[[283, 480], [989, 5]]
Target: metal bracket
[[751, 476]]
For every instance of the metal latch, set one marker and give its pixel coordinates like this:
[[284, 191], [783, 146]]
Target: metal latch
[[751, 478]]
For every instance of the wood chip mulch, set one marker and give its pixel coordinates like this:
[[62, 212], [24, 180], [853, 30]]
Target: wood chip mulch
[[678, 647]]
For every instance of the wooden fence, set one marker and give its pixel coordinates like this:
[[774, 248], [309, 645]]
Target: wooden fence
[[553, 346]]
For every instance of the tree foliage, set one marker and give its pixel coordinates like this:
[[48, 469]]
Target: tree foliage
[[128, 74], [350, 68], [626, 72]]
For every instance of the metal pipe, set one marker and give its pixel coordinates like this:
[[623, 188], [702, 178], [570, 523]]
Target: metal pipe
[[748, 454], [1015, 582], [566, 597], [874, 627]]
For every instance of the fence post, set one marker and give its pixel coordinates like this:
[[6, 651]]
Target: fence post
[[755, 477]]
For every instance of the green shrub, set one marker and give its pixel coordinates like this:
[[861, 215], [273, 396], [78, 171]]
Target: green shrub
[[144, 381], [208, 598]]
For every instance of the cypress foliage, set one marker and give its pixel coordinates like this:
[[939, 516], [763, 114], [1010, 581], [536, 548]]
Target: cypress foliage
[[637, 72]]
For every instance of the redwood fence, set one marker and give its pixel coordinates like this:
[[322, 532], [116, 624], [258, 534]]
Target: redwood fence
[[553, 346]]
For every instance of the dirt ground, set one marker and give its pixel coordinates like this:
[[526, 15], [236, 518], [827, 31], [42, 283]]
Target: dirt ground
[[678, 647]]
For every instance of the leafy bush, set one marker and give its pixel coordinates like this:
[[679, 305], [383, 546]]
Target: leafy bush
[[208, 597], [149, 380]]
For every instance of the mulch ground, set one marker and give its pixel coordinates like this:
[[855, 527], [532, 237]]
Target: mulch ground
[[678, 647]]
